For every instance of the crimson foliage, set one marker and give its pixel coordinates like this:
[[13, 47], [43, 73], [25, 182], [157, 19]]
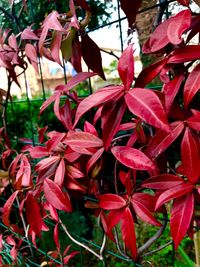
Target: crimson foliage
[[147, 175]]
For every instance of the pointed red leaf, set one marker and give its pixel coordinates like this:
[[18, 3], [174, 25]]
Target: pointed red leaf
[[128, 232], [89, 128], [111, 116], [83, 140], [56, 236], [191, 85], [162, 140], [171, 90], [194, 122], [55, 47], [145, 104], [178, 25], [101, 96], [190, 157], [142, 211], [31, 53], [37, 152], [60, 173], [181, 216], [150, 72], [28, 34], [163, 182], [126, 67], [33, 215], [56, 197], [91, 55], [185, 54], [173, 193], [46, 163], [7, 208], [94, 159], [133, 158], [111, 202], [130, 8]]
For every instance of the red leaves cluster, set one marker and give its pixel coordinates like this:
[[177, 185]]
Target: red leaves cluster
[[159, 149]]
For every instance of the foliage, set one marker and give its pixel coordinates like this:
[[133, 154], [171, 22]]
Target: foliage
[[133, 157]]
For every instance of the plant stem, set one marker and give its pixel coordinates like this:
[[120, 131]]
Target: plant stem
[[100, 257], [187, 260]]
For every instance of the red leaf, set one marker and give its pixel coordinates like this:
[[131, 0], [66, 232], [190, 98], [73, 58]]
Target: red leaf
[[190, 157], [82, 140], [171, 90], [185, 54], [130, 8], [143, 212], [184, 2], [38, 152], [178, 25], [127, 181], [56, 197], [146, 105], [12, 42], [33, 215], [181, 216], [91, 55], [191, 85], [73, 172], [89, 128], [111, 202], [46, 163], [60, 173], [28, 34], [94, 159], [126, 67], [163, 182], [76, 55], [133, 158], [194, 122], [162, 140], [101, 96], [111, 116], [172, 193], [114, 217], [56, 236], [49, 101], [31, 53], [150, 72], [128, 232], [7, 208], [55, 47]]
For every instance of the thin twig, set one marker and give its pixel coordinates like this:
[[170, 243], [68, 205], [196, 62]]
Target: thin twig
[[157, 249], [119, 247], [79, 243], [155, 237], [110, 53]]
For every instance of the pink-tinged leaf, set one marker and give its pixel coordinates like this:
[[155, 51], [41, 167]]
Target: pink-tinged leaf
[[94, 159], [82, 140], [12, 41], [56, 197], [133, 158], [24, 172], [111, 202], [7, 208], [33, 215], [127, 181], [149, 73], [89, 128], [55, 47], [74, 21], [60, 173], [104, 222], [194, 122], [145, 104], [28, 34], [38, 152], [49, 101], [46, 163], [190, 157], [126, 67], [191, 85], [101, 96], [56, 236], [128, 232], [76, 55], [54, 141], [114, 217], [172, 193], [31, 53], [171, 90], [181, 216], [142, 211], [178, 25], [163, 182], [70, 256], [75, 80], [71, 184], [184, 2], [185, 54], [111, 116], [91, 55], [73, 172], [130, 8], [162, 140]]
